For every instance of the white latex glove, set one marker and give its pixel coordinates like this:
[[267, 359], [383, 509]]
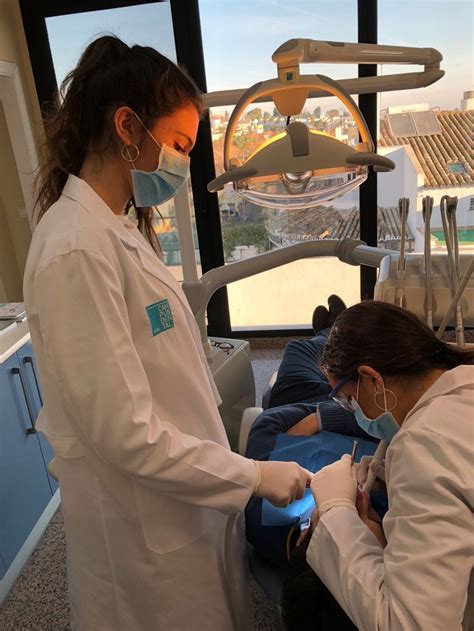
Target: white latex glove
[[369, 464], [281, 482], [335, 485]]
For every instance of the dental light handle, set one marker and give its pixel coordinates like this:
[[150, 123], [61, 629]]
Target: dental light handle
[[289, 97], [378, 457]]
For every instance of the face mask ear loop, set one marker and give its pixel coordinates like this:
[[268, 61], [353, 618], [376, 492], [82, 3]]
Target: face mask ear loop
[[357, 391], [148, 131]]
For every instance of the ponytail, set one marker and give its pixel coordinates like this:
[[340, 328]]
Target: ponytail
[[391, 340]]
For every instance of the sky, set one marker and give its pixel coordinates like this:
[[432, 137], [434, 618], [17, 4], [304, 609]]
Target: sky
[[239, 38]]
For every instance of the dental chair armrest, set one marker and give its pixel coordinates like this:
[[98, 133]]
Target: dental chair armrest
[[248, 419], [268, 391]]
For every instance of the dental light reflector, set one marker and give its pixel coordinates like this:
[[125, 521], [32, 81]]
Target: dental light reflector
[[300, 168]]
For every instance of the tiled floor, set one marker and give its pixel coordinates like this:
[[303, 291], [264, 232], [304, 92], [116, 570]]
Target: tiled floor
[[38, 600]]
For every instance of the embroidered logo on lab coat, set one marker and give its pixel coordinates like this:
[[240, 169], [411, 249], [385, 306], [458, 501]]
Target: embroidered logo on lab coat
[[160, 316]]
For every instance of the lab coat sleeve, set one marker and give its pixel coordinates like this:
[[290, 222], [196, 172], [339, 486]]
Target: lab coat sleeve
[[420, 581], [87, 340]]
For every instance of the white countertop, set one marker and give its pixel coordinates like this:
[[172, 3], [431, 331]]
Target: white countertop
[[12, 338]]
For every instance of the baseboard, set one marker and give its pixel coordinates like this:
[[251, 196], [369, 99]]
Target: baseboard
[[29, 546]]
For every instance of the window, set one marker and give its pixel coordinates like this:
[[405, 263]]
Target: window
[[456, 167], [147, 25], [286, 296]]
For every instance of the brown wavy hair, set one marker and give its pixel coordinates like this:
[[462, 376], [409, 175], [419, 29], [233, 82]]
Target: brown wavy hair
[[391, 340], [109, 74]]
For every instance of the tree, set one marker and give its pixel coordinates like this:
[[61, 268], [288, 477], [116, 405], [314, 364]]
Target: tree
[[244, 234], [333, 113], [317, 112], [256, 113], [226, 116], [266, 115]]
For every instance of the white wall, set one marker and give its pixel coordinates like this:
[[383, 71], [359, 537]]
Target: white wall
[[465, 217], [406, 180], [15, 234]]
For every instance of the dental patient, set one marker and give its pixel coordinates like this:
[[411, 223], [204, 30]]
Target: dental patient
[[299, 407]]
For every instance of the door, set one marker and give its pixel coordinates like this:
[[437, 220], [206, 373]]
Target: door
[[30, 376], [24, 486]]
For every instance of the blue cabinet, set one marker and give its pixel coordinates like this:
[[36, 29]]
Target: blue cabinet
[[25, 489], [31, 382]]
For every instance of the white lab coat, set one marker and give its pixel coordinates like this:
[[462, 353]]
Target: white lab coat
[[422, 580], [145, 468]]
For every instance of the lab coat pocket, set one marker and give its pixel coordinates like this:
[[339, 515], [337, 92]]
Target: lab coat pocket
[[168, 524]]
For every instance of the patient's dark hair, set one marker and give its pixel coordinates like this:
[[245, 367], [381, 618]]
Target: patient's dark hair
[[109, 74], [391, 340]]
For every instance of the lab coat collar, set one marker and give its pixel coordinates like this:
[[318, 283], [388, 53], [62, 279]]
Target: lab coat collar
[[462, 376], [78, 190]]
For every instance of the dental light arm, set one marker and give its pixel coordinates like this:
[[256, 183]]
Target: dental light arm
[[296, 51], [348, 251]]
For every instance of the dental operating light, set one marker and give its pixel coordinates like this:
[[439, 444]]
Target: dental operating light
[[302, 167]]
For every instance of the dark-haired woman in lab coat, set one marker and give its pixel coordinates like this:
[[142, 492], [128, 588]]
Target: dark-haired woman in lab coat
[[416, 392], [145, 469]]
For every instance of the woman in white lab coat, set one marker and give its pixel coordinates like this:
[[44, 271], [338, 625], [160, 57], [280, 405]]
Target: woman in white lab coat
[[416, 392], [144, 465]]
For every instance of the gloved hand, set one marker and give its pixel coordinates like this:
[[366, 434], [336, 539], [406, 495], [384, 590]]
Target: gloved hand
[[369, 467], [335, 485], [281, 482]]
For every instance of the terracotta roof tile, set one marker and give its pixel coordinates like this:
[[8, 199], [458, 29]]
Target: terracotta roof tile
[[434, 152]]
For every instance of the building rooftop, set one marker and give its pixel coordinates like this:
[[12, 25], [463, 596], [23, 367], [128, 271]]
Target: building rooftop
[[445, 157]]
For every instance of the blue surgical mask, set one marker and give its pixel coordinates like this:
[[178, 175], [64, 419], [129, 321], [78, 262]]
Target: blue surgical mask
[[152, 188], [383, 427]]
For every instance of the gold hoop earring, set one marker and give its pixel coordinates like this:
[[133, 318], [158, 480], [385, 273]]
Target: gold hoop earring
[[384, 393], [126, 154]]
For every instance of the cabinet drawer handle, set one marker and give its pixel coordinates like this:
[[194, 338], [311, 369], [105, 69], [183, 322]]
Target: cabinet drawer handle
[[30, 430], [29, 360]]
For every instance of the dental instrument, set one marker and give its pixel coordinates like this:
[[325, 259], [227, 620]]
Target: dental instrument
[[448, 207], [403, 206], [427, 205], [354, 451], [455, 301]]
